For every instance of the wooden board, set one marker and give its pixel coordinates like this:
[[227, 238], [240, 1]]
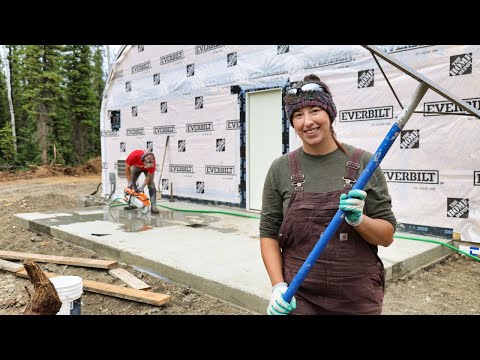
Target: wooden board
[[129, 279], [10, 266], [65, 260], [147, 297]]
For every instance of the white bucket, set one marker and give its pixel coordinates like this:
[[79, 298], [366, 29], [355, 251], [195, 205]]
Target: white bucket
[[69, 289]]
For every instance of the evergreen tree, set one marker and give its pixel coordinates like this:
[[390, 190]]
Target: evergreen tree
[[7, 151], [98, 79], [41, 91], [56, 94], [99, 75], [81, 101], [27, 146], [61, 134]]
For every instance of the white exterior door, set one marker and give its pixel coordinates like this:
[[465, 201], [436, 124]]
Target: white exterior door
[[264, 140]]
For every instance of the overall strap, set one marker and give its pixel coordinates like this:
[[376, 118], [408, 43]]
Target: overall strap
[[351, 168], [296, 175]]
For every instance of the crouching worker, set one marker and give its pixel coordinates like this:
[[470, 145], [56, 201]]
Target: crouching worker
[[140, 161]]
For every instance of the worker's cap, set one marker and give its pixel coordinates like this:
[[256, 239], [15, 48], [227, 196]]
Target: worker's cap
[[148, 157]]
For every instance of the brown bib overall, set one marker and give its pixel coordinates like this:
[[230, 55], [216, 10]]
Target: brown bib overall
[[348, 277]]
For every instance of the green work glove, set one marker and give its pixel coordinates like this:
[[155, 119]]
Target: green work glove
[[353, 204], [278, 306]]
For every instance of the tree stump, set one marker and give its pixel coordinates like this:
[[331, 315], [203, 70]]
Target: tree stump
[[45, 299]]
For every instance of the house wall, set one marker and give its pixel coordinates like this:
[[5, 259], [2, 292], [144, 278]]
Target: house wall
[[433, 168]]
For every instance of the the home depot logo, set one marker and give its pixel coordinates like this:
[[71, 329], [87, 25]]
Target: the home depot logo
[[375, 113], [200, 127], [149, 146], [366, 78], [175, 56], [448, 107], [199, 102], [220, 144], [136, 131], [233, 124], [156, 79], [181, 168], [190, 70], [200, 187], [164, 184], [134, 110], [476, 178], [232, 59], [182, 145], [163, 107], [166, 129], [461, 64], [200, 49], [219, 170], [123, 147], [457, 207], [282, 49], [128, 86], [409, 139], [411, 176], [141, 67]]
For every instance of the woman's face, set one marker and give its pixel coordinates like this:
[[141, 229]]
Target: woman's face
[[312, 125]]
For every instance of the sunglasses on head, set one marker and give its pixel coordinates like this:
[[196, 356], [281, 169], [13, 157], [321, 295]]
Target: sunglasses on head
[[307, 87]]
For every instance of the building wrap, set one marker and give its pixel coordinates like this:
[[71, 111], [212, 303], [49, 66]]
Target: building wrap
[[184, 92]]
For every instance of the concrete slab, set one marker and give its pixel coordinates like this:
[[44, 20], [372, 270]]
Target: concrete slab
[[213, 252]]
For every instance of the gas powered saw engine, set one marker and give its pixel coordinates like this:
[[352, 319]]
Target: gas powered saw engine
[[137, 200]]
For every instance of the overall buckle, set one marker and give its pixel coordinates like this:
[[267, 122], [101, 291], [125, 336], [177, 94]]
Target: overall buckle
[[348, 182], [297, 182]]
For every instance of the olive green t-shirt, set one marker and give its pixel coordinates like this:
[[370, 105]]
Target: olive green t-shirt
[[323, 173]]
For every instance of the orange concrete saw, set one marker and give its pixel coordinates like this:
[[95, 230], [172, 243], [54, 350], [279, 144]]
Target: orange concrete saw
[[136, 199]]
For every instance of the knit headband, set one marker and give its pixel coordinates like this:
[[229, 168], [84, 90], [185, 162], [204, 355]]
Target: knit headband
[[297, 98]]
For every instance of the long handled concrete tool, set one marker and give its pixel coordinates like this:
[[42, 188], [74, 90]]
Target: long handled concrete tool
[[376, 159], [161, 169]]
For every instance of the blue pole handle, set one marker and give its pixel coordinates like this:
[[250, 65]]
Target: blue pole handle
[[340, 215]]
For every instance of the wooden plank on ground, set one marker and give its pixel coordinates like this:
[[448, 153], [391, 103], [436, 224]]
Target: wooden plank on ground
[[65, 260], [10, 266], [129, 279], [147, 297]]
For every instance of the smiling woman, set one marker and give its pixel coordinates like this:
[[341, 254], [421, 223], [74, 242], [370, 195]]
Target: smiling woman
[[302, 192]]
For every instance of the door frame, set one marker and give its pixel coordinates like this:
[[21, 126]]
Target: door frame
[[285, 139]]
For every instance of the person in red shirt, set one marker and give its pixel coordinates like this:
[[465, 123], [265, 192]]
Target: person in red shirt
[[141, 161]]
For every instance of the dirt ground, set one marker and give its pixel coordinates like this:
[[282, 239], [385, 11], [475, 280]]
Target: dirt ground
[[449, 287], [63, 192]]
